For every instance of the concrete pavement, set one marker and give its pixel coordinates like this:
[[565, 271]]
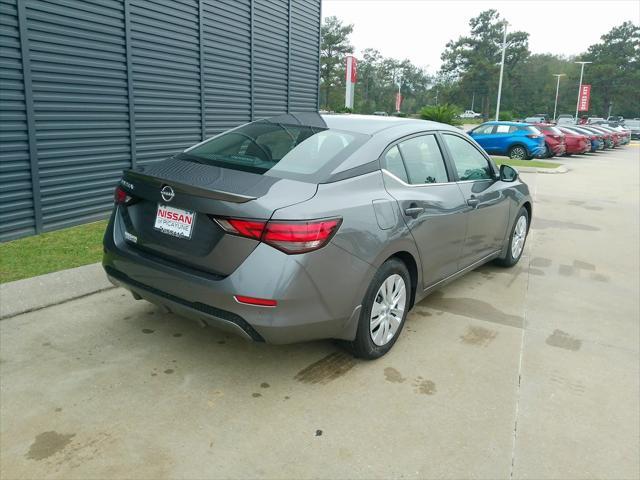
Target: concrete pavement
[[530, 372]]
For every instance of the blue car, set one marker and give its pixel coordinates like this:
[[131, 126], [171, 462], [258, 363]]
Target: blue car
[[511, 139]]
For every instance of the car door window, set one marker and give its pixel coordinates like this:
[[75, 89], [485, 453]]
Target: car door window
[[483, 130], [503, 129], [393, 163], [423, 160], [469, 162]]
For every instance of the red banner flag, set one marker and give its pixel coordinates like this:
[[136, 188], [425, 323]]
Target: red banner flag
[[585, 95], [398, 101]]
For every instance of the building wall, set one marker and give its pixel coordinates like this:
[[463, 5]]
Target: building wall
[[89, 88]]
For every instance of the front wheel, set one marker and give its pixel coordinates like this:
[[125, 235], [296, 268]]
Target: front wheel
[[518, 152], [384, 311], [517, 239]]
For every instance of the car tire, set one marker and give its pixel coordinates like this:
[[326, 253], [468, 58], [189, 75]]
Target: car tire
[[364, 345], [518, 234], [518, 152], [548, 153]]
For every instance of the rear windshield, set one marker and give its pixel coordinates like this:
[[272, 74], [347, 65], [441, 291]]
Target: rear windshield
[[298, 152], [554, 130], [533, 129]]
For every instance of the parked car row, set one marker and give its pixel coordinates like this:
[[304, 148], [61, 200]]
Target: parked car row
[[538, 139]]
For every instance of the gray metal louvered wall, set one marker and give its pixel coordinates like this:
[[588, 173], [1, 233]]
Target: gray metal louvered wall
[[89, 88]]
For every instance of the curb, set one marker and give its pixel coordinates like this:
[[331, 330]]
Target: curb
[[560, 169], [43, 291]]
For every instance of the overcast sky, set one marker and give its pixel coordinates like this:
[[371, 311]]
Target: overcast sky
[[419, 29]]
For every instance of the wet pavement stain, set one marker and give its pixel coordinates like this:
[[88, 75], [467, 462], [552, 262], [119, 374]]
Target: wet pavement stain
[[221, 342], [537, 272], [46, 344], [47, 444], [326, 369], [424, 387], [264, 385], [147, 330], [58, 409], [540, 262], [392, 375], [471, 308], [542, 223], [169, 371], [177, 335], [562, 339], [478, 336], [599, 277], [318, 433], [584, 265], [256, 395], [566, 270]]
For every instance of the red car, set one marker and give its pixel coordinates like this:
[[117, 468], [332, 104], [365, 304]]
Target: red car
[[575, 142], [616, 138], [553, 138]]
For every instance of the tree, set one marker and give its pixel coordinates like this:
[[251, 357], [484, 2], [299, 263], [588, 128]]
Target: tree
[[334, 46], [472, 62], [615, 73]]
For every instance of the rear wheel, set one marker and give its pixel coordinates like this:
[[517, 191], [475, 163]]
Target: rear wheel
[[518, 152], [384, 311], [517, 239]]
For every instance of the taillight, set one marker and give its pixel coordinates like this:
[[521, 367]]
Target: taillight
[[289, 236], [120, 196]]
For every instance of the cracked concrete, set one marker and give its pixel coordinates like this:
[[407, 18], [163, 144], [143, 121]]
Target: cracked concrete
[[527, 373]]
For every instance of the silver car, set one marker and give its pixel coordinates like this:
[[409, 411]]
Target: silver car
[[303, 227]]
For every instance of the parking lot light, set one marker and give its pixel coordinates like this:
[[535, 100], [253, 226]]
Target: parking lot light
[[555, 106]]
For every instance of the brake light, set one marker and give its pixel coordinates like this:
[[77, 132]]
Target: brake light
[[260, 302], [120, 196], [290, 236], [243, 228]]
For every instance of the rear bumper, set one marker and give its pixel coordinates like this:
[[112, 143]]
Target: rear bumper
[[318, 293]]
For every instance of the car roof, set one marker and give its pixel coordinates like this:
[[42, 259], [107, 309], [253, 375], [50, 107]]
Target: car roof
[[514, 124], [373, 124]]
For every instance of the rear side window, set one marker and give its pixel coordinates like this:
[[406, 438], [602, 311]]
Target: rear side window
[[393, 163], [469, 162], [506, 129], [423, 160], [288, 151]]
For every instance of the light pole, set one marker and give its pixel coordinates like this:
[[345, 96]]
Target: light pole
[[555, 106], [504, 50], [580, 86]]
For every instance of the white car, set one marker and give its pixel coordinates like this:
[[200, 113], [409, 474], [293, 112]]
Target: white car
[[595, 119], [470, 114], [565, 120]]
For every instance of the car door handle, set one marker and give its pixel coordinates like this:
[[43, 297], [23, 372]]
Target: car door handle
[[473, 202], [413, 211]]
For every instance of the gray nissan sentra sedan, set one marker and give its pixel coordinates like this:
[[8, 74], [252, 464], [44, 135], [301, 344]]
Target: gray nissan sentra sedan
[[302, 226]]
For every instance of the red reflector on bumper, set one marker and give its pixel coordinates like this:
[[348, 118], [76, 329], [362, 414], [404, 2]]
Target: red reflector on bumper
[[261, 302]]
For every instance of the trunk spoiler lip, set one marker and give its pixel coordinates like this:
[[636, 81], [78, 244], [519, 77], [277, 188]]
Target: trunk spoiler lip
[[189, 189]]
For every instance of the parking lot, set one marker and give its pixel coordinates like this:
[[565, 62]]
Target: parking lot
[[524, 373]]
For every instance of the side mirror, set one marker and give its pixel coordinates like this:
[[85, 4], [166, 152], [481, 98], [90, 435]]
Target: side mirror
[[508, 173]]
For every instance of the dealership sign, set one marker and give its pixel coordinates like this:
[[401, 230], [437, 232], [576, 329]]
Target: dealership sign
[[585, 94]]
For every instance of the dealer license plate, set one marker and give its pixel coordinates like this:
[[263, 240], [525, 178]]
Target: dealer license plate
[[174, 221]]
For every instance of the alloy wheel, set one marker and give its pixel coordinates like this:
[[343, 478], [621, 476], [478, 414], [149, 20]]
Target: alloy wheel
[[519, 236], [388, 310], [518, 153]]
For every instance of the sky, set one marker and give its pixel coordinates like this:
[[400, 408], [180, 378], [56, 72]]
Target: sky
[[419, 29]]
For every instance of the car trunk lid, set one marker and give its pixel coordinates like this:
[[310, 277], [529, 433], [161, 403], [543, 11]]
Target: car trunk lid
[[200, 193]]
